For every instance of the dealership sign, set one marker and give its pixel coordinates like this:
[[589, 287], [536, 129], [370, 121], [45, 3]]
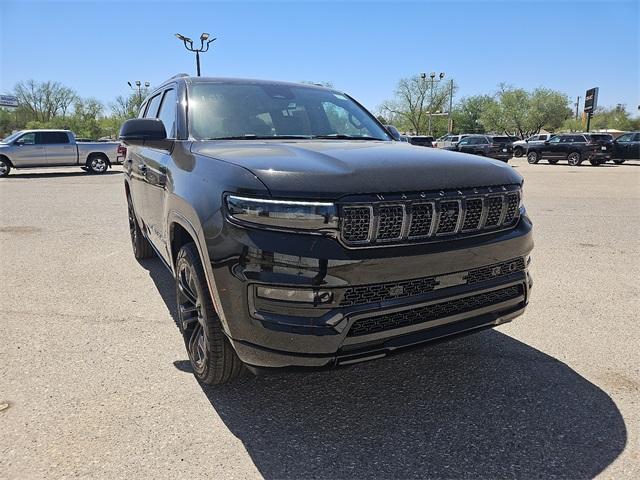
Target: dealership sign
[[591, 100], [8, 101]]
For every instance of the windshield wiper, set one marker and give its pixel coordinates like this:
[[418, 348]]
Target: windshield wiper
[[340, 136], [261, 137]]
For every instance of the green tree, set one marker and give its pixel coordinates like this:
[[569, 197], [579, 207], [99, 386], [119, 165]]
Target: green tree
[[414, 98], [467, 114]]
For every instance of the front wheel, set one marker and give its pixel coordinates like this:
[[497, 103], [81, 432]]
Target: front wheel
[[5, 168], [533, 158], [212, 357], [97, 164], [574, 159]]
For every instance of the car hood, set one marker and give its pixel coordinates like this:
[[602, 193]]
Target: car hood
[[333, 168]]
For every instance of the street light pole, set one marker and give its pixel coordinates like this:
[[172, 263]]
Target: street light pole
[[138, 87], [432, 75], [204, 47]]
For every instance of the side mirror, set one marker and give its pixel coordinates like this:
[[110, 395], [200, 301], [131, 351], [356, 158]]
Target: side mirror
[[147, 132], [393, 131]]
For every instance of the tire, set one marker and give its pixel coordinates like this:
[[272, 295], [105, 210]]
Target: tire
[[533, 158], [142, 249], [97, 163], [213, 359], [553, 162], [618, 161], [597, 163], [5, 167], [518, 152], [574, 159]]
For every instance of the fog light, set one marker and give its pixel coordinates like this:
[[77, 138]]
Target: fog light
[[292, 295]]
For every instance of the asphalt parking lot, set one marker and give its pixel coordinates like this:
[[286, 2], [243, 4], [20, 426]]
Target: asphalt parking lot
[[97, 381]]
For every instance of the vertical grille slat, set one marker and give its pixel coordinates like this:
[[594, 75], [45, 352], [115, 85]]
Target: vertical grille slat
[[473, 214], [442, 215], [421, 220], [356, 224], [448, 217], [494, 211], [390, 222]]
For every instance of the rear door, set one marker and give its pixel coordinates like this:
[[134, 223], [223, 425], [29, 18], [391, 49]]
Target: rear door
[[60, 150], [28, 151], [573, 143]]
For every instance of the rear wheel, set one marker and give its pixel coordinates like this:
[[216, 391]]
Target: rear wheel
[[97, 163], [141, 247], [212, 358], [518, 152], [574, 159], [533, 157], [5, 168]]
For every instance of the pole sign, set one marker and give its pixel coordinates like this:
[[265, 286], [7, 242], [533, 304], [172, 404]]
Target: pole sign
[[8, 101], [591, 100]]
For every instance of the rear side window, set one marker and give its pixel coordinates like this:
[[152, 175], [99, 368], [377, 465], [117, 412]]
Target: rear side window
[[501, 139], [53, 138], [578, 139], [453, 139], [599, 138], [152, 108], [168, 112]]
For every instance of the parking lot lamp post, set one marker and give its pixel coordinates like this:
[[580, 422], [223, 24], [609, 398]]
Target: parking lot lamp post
[[432, 75], [204, 47], [138, 87]]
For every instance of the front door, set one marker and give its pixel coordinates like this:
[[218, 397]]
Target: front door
[[28, 151], [60, 150], [552, 148]]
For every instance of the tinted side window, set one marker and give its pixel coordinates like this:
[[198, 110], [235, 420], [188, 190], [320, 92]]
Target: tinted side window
[[637, 137], [578, 139], [152, 109], [53, 138], [168, 112], [143, 107]]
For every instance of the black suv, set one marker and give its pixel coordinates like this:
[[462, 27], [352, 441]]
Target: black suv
[[626, 147], [421, 140], [492, 146], [575, 148], [300, 234]]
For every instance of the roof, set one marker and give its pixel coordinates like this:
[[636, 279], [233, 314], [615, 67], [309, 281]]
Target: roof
[[193, 80]]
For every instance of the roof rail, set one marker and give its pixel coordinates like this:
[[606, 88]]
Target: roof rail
[[178, 75]]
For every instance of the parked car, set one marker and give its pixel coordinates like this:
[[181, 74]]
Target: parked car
[[300, 235], [55, 148], [626, 147], [449, 140], [520, 146], [492, 146], [573, 147], [421, 140]]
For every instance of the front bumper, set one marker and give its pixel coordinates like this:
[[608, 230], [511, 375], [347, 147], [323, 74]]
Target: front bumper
[[431, 294]]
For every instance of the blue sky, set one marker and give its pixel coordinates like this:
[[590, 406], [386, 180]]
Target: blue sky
[[361, 47]]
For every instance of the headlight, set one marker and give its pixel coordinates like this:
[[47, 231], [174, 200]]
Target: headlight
[[283, 214]]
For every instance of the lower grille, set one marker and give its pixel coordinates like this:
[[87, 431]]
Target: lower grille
[[415, 316], [380, 292]]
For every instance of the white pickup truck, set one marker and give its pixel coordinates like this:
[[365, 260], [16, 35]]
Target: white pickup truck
[[55, 148]]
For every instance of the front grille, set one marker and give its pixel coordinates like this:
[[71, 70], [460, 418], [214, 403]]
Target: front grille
[[382, 292], [427, 313], [429, 216], [356, 223], [390, 221]]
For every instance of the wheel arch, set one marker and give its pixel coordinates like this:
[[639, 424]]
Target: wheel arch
[[8, 160], [180, 232]]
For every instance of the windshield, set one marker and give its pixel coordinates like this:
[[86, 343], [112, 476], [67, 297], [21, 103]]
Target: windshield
[[249, 110], [11, 137]]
